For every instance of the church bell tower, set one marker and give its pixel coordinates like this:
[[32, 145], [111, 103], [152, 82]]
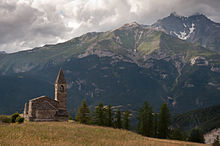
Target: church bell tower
[[60, 90]]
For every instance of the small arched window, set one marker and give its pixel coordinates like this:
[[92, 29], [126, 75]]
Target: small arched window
[[61, 88]]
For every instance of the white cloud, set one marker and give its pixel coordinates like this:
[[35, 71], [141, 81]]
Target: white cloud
[[26, 24]]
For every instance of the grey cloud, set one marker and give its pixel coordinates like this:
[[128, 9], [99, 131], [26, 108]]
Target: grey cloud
[[16, 23], [26, 24], [25, 27]]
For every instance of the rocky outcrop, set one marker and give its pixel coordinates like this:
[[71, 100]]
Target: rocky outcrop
[[211, 136], [199, 61]]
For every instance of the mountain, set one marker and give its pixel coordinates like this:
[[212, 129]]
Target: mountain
[[206, 118], [2, 52], [196, 29], [122, 67]]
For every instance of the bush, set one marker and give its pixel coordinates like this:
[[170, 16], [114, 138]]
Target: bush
[[19, 119], [14, 116], [5, 119], [69, 118]]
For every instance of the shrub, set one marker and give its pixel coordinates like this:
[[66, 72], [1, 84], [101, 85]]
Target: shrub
[[19, 119], [69, 118], [14, 116], [5, 119]]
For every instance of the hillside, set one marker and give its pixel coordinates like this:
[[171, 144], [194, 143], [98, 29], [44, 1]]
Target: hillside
[[207, 119], [68, 133], [125, 66]]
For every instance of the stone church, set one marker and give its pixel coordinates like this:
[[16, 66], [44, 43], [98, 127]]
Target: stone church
[[46, 109]]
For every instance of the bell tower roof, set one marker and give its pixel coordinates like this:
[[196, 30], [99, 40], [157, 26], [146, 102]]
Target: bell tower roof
[[60, 78]]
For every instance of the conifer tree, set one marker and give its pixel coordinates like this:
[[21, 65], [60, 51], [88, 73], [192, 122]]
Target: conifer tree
[[150, 121], [99, 116], [145, 120], [83, 114], [118, 120], [125, 120], [155, 125], [164, 121], [196, 135], [108, 116]]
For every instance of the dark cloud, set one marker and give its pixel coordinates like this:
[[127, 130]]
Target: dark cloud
[[25, 24]]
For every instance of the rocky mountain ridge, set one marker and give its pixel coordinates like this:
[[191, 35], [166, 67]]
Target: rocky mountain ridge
[[195, 29], [124, 66]]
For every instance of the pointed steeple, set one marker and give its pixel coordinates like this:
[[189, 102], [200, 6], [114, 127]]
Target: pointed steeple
[[60, 78]]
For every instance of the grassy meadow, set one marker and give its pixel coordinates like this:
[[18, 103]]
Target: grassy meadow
[[71, 133]]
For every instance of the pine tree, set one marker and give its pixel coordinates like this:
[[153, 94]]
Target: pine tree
[[83, 114], [145, 120], [108, 116], [164, 121], [196, 135], [150, 121], [118, 120], [99, 116], [155, 125], [125, 120]]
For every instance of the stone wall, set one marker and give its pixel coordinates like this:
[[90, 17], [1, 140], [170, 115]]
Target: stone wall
[[42, 109]]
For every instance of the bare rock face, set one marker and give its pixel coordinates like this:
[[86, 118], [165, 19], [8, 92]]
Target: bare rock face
[[199, 61], [215, 69], [211, 136], [196, 29]]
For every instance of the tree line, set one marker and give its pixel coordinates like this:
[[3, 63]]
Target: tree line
[[149, 123], [103, 116]]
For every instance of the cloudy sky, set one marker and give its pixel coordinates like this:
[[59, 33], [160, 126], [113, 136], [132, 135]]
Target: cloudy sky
[[25, 24]]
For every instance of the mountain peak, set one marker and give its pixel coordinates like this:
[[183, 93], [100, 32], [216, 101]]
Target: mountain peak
[[131, 25], [134, 24], [199, 16], [196, 28], [196, 16], [174, 14]]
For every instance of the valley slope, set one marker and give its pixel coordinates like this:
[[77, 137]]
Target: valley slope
[[206, 119], [125, 66]]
